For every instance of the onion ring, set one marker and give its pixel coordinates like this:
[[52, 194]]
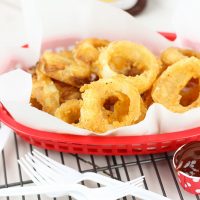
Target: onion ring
[[133, 60], [61, 67], [45, 92], [67, 92], [147, 98], [87, 51], [35, 103], [126, 104], [167, 88], [173, 55], [190, 92], [69, 111]]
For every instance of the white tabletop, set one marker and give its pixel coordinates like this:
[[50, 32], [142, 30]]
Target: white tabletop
[[157, 169]]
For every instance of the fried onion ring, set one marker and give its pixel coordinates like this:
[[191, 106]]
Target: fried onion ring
[[110, 103], [173, 55], [67, 92], [190, 92], [147, 98], [87, 51], [45, 92], [35, 103], [167, 88], [61, 67], [69, 111], [133, 60]]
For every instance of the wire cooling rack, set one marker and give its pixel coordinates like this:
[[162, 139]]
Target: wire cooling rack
[[157, 169]]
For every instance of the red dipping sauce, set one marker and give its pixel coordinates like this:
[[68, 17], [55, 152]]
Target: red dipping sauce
[[187, 165], [187, 159]]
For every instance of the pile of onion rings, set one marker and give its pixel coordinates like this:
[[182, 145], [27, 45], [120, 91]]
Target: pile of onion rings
[[100, 85]]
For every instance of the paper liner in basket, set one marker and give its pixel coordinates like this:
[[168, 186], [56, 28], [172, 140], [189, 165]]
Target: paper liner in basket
[[82, 19], [11, 53], [186, 25]]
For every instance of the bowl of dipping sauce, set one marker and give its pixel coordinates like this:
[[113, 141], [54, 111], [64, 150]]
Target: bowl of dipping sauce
[[186, 162]]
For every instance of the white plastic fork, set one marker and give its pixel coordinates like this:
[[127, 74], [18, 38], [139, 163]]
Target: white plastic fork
[[77, 191], [43, 170], [49, 168]]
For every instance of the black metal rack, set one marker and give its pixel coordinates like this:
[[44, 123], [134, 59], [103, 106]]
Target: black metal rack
[[157, 169]]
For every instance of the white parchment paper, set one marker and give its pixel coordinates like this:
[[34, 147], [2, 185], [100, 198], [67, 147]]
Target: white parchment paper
[[83, 19], [185, 20]]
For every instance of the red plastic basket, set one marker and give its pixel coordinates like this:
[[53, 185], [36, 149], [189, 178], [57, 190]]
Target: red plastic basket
[[97, 145]]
